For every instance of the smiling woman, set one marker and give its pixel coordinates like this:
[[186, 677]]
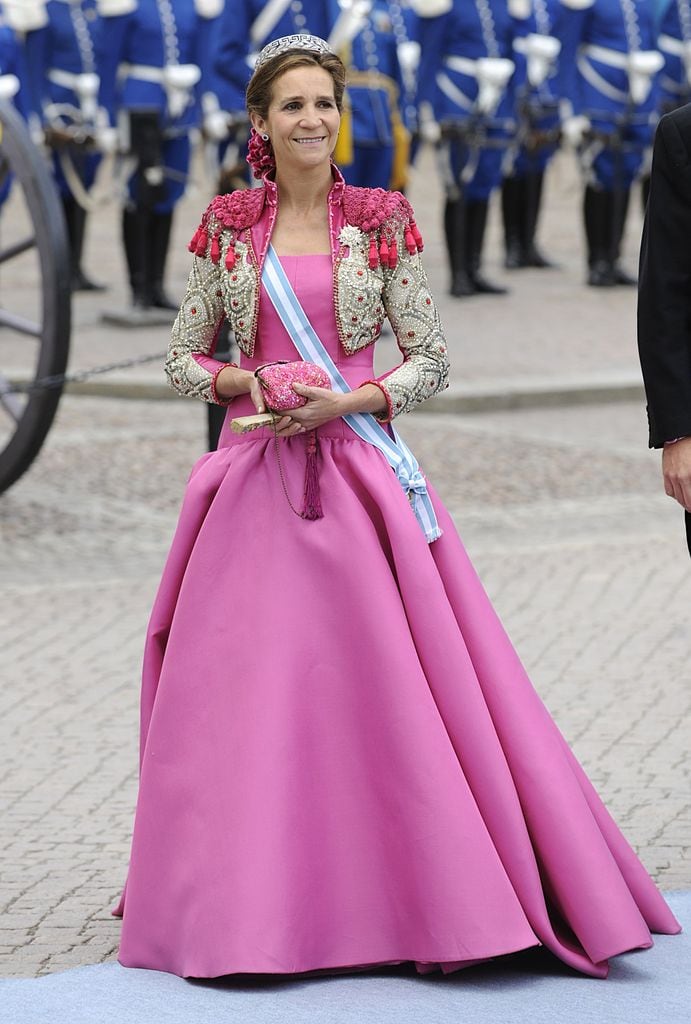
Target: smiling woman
[[343, 762], [297, 115]]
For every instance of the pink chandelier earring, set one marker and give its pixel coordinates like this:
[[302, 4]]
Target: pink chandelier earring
[[260, 155]]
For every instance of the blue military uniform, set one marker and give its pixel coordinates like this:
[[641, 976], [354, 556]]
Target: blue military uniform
[[12, 80], [12, 60], [381, 94], [154, 69], [63, 88], [248, 25], [465, 84], [674, 42], [225, 123], [536, 52], [609, 67]]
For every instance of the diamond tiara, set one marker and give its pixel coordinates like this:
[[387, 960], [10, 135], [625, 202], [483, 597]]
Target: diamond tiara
[[296, 42]]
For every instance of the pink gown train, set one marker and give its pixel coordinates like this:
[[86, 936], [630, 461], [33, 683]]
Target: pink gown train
[[342, 760]]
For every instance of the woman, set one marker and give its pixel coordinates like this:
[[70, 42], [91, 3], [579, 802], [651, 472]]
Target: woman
[[342, 762]]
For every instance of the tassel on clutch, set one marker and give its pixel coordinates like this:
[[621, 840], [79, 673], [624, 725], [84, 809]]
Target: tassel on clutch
[[277, 381]]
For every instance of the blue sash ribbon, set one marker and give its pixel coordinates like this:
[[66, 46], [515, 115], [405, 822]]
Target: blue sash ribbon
[[311, 349]]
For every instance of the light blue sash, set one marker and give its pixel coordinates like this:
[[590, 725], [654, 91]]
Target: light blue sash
[[306, 341]]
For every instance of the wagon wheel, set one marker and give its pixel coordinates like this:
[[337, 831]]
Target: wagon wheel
[[35, 296]]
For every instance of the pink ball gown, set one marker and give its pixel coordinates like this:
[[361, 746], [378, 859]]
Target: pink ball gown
[[343, 762]]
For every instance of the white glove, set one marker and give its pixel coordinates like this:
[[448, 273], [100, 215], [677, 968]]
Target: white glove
[[36, 132], [107, 140], [216, 125], [9, 86], [574, 128], [428, 125]]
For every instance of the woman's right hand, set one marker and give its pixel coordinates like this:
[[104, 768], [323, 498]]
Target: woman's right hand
[[233, 381]]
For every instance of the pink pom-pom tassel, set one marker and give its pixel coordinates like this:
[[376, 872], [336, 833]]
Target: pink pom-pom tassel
[[192, 247], [373, 255], [417, 236], [230, 257], [202, 243], [215, 249], [410, 242], [393, 255], [384, 252]]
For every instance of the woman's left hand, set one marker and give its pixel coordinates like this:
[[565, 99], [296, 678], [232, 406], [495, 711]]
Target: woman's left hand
[[322, 405]]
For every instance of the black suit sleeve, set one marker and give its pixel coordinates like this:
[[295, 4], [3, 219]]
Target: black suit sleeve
[[664, 297]]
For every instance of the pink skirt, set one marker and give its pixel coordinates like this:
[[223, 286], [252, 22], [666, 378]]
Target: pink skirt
[[343, 761]]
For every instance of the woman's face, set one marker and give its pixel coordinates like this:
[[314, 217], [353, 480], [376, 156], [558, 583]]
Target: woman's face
[[303, 120]]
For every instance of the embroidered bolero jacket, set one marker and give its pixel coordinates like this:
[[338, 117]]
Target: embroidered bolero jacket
[[375, 248]]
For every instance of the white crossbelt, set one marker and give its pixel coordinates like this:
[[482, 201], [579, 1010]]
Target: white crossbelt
[[464, 65], [83, 84], [453, 93], [71, 79], [639, 79], [680, 48], [266, 21], [178, 93], [605, 55], [491, 74], [143, 72], [595, 79], [676, 47]]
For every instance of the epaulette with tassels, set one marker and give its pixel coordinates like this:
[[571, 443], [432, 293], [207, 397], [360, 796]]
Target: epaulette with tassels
[[377, 212], [233, 212], [381, 215]]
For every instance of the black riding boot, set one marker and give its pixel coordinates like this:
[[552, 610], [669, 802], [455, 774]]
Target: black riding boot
[[476, 220], [597, 223], [512, 204], [532, 257], [619, 210], [454, 232], [136, 232], [161, 224], [75, 220]]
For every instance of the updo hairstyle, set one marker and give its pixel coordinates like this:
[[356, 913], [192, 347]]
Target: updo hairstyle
[[260, 88]]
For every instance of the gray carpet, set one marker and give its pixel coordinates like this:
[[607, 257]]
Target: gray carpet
[[653, 987]]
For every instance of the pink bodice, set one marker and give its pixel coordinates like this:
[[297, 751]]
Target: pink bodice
[[311, 277]]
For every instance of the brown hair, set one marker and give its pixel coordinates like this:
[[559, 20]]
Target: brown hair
[[260, 88]]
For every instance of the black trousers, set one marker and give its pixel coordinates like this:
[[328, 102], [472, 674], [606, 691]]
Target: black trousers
[[687, 518]]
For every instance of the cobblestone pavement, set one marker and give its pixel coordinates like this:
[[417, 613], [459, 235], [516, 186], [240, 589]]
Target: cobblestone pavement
[[561, 510]]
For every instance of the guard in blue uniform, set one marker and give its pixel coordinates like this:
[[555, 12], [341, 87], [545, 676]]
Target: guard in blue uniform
[[381, 59], [154, 69], [63, 84], [674, 42], [465, 97], [536, 52], [225, 126], [12, 76], [248, 25], [608, 69]]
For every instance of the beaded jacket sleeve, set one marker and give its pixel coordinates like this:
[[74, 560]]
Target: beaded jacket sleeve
[[378, 273], [415, 320]]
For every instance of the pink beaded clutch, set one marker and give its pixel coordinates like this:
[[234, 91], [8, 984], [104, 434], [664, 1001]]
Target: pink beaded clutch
[[277, 381]]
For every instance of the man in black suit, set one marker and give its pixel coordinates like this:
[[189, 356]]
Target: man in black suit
[[664, 305]]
